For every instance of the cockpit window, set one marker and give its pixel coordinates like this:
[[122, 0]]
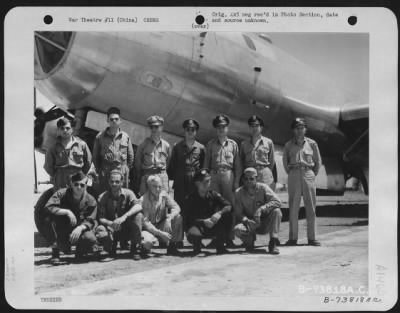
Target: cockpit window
[[51, 47], [59, 38], [249, 42]]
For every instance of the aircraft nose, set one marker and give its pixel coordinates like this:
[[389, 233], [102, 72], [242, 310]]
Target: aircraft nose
[[50, 47], [69, 66]]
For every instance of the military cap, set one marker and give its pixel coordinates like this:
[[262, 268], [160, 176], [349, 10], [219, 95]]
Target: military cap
[[250, 170], [113, 110], [64, 121], [201, 174], [221, 119], [298, 121], [155, 120], [77, 177], [191, 123], [255, 119]]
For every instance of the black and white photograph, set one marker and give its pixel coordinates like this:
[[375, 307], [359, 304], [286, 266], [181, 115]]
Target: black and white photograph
[[204, 164]]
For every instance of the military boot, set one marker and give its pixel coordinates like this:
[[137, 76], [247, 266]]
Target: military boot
[[272, 247], [197, 247], [136, 252], [314, 243], [172, 249], [220, 247], [55, 256]]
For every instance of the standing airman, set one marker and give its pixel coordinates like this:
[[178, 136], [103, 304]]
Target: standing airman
[[258, 152], [222, 158], [67, 156], [187, 158], [112, 150], [152, 156], [302, 161]]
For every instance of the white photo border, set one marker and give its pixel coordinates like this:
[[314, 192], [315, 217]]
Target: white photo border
[[19, 25]]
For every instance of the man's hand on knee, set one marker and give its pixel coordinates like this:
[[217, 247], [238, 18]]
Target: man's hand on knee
[[251, 225], [167, 225], [76, 233], [164, 236]]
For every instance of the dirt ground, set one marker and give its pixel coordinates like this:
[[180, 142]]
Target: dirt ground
[[342, 259]]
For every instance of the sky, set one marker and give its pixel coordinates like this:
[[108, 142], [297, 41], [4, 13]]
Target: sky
[[342, 57]]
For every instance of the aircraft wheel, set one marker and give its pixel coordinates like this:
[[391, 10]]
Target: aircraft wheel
[[42, 217]]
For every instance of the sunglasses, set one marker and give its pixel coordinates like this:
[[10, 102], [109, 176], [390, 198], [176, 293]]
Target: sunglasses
[[79, 185], [191, 129]]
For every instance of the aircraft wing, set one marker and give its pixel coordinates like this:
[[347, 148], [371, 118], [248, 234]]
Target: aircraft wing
[[358, 112]]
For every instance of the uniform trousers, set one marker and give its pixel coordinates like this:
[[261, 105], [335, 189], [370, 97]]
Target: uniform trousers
[[130, 230], [222, 181], [269, 223], [62, 230], [149, 240], [301, 182], [183, 186], [220, 230]]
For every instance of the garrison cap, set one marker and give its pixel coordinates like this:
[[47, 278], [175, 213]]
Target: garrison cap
[[113, 110], [77, 177], [221, 119], [201, 174], [298, 121], [191, 123], [250, 170], [155, 120], [64, 121], [255, 119]]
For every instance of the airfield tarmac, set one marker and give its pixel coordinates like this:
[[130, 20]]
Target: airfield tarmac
[[341, 260]]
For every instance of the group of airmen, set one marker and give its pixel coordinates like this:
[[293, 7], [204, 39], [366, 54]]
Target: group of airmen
[[221, 190]]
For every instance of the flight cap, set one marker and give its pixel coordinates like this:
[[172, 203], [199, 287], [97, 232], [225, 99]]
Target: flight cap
[[201, 174], [255, 120], [78, 177], [155, 120], [191, 123], [220, 120], [298, 121]]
